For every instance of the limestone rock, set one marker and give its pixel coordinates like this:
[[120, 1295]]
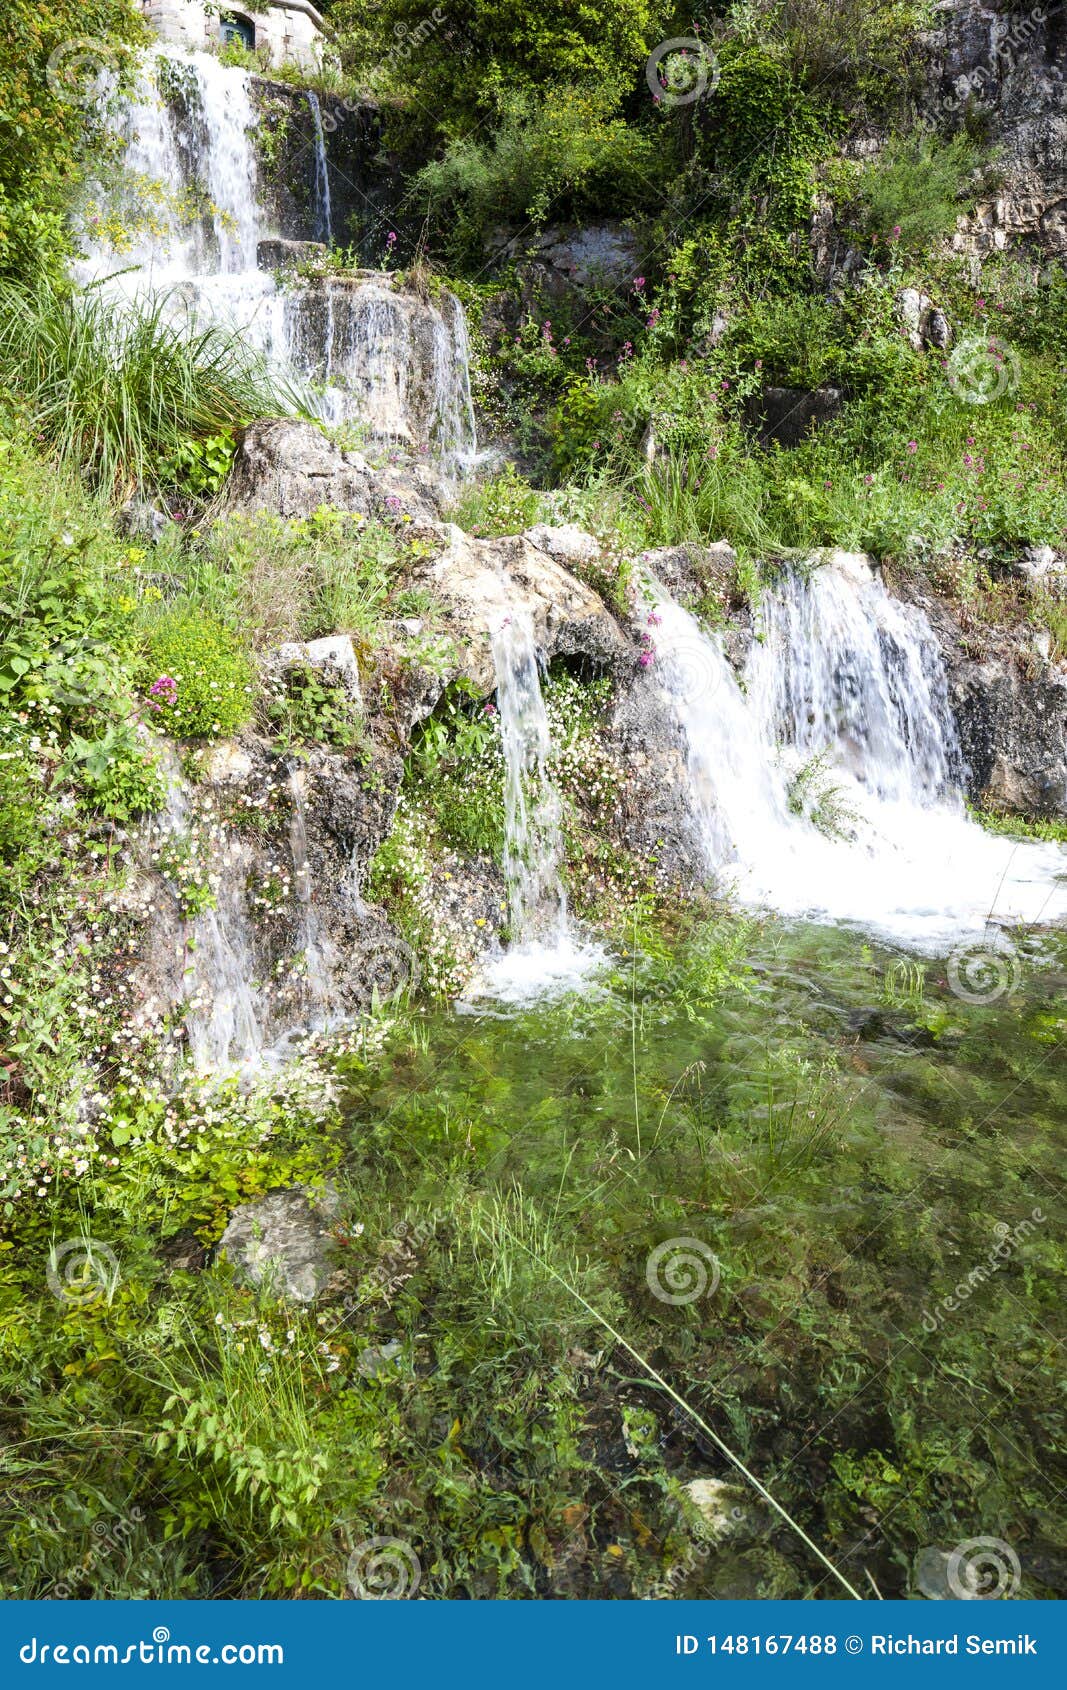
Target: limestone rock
[[292, 469], [567, 259], [567, 544], [334, 657], [691, 572], [289, 255], [1009, 65], [283, 1242], [480, 583]]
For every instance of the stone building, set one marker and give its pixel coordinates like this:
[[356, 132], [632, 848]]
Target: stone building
[[279, 31]]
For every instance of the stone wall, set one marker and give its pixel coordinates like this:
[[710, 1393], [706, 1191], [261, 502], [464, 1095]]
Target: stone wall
[[285, 33]]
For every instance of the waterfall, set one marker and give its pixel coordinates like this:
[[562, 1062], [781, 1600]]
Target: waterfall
[[826, 782], [365, 353], [546, 955], [222, 1022], [533, 813], [323, 208]]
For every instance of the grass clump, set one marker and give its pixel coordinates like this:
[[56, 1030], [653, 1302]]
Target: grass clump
[[117, 392]]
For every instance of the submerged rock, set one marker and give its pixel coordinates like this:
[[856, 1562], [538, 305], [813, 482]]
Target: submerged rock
[[722, 1510], [284, 1241]]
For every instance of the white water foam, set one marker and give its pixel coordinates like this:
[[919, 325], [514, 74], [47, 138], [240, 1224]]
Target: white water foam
[[844, 674], [548, 956]]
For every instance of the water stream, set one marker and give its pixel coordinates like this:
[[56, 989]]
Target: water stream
[[546, 954], [827, 779], [323, 207]]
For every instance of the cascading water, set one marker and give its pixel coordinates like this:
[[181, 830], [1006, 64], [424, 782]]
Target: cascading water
[[365, 354], [533, 813], [222, 1022], [827, 783], [323, 207], [545, 954]]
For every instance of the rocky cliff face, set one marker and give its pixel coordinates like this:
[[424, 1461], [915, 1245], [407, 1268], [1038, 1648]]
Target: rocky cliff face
[[1005, 65]]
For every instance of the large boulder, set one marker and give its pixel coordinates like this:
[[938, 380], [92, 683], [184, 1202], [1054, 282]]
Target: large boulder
[[291, 469], [480, 584]]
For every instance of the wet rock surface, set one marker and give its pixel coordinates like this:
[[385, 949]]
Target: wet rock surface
[[1009, 701]]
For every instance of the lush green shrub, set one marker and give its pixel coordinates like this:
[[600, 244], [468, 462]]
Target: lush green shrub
[[470, 59], [503, 503], [54, 117], [196, 679], [911, 194], [563, 153]]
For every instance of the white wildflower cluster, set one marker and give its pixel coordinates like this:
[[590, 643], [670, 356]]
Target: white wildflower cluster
[[449, 938]]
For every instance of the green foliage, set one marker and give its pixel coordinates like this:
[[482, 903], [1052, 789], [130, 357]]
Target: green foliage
[[115, 390], [198, 467], [300, 578], [504, 503], [54, 117], [563, 154], [912, 192], [461, 65], [308, 706], [765, 130], [212, 678]]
